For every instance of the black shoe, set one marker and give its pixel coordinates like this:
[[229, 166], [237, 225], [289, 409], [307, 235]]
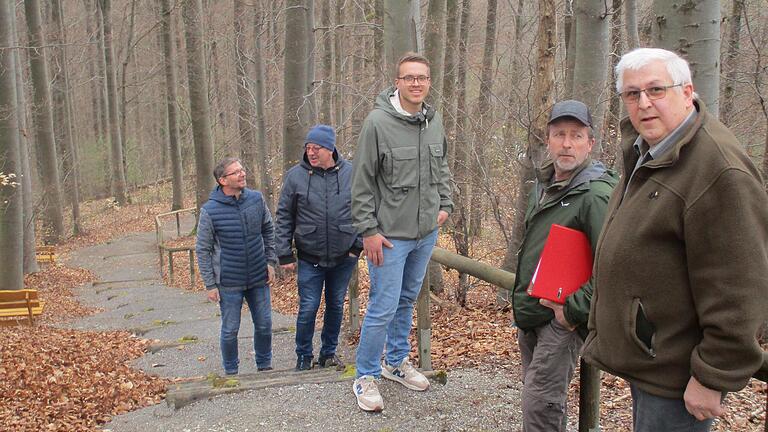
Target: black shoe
[[264, 369], [330, 361], [304, 363]]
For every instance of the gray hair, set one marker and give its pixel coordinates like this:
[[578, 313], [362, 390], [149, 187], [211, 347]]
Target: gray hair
[[221, 167], [677, 67]]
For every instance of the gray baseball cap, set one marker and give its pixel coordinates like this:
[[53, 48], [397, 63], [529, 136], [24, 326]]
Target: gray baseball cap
[[571, 108]]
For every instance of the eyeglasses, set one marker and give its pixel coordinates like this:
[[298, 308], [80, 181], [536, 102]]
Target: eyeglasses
[[235, 172], [410, 79], [653, 93]]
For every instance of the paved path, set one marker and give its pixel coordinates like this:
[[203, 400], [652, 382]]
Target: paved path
[[133, 296]]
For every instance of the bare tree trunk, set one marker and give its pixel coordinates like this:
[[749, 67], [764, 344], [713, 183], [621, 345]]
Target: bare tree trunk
[[246, 137], [104, 118], [693, 30], [94, 79], [611, 149], [461, 217], [29, 216], [570, 26], [43, 118], [379, 56], [630, 16], [339, 35], [435, 47], [297, 37], [118, 174], [63, 115], [262, 155], [484, 121], [198, 99], [309, 91], [358, 113], [449, 77], [326, 90], [11, 204], [542, 102], [511, 124], [123, 86], [731, 62], [591, 68], [171, 98], [401, 30]]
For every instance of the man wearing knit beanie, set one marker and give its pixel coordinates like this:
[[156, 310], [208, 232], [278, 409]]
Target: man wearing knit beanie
[[314, 214]]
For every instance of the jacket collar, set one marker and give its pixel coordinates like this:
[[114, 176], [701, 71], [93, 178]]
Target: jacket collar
[[629, 136]]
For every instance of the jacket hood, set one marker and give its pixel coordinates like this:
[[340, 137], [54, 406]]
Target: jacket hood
[[590, 171], [382, 102], [217, 194]]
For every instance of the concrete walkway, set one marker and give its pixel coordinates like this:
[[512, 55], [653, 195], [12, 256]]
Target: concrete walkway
[[133, 297]]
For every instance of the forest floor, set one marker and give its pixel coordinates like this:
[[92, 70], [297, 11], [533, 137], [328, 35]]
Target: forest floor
[[81, 367]]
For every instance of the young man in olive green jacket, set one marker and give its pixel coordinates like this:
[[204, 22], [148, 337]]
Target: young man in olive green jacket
[[571, 190]]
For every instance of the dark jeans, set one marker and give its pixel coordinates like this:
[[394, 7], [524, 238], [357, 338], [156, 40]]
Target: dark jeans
[[231, 304], [652, 413], [311, 279]]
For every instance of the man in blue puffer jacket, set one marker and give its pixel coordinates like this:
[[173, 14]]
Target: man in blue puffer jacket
[[315, 211], [236, 256]]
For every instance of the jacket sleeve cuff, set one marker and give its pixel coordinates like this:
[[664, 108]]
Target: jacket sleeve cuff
[[447, 208], [210, 287], [355, 250], [287, 259], [370, 231]]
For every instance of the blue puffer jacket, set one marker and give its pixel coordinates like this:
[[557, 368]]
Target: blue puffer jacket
[[315, 211], [235, 241]]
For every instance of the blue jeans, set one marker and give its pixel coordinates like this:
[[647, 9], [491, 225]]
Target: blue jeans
[[395, 285], [655, 413], [231, 304], [311, 279]]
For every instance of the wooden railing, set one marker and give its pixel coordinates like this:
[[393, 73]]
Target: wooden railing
[[589, 385]]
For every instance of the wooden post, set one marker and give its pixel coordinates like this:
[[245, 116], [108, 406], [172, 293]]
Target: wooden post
[[178, 225], [354, 301], [424, 326], [170, 267], [589, 398], [192, 267]]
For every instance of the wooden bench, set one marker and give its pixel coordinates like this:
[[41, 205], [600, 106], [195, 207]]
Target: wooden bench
[[18, 305], [46, 254]]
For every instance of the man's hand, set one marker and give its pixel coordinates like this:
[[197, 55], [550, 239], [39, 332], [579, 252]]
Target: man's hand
[[288, 267], [213, 295], [702, 402], [442, 216], [559, 315], [270, 273], [372, 246]]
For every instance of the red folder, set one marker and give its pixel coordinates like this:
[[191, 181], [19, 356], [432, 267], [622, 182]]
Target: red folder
[[564, 266]]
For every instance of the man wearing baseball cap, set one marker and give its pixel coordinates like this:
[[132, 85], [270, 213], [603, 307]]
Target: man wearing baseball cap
[[315, 214], [571, 190]]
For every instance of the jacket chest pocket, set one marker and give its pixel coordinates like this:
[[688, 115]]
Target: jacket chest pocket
[[404, 167], [435, 162]]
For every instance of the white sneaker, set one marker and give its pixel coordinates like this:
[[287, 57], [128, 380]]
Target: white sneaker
[[405, 374], [367, 393]]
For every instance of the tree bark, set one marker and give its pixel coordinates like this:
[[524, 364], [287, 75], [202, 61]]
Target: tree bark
[[262, 155], [591, 68], [435, 47], [118, 174], [401, 30], [296, 106], [461, 213], [692, 29], [11, 204], [731, 60], [484, 121], [449, 77], [246, 136], [326, 87], [630, 17], [63, 115], [569, 32], [30, 236], [379, 56], [94, 78], [339, 35], [611, 148], [43, 119], [123, 88], [171, 98], [198, 99], [542, 102]]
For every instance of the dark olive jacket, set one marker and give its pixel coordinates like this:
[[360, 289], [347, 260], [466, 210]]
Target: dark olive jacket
[[681, 269], [581, 205]]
